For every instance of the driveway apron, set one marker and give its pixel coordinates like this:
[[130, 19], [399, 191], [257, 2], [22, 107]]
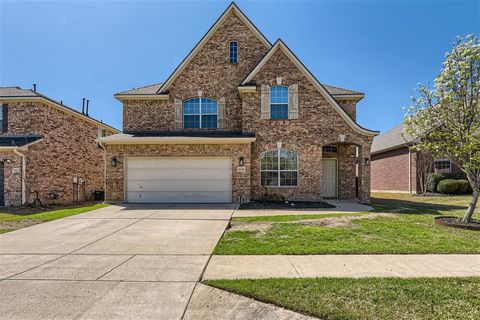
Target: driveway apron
[[119, 262]]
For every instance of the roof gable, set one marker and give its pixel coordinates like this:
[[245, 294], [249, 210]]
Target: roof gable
[[280, 45], [394, 138], [232, 8]]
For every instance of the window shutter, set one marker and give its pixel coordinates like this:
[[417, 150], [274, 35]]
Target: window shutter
[[293, 101], [265, 111], [4, 118], [221, 114], [178, 113]]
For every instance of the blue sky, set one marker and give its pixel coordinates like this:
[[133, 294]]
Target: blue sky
[[96, 48]]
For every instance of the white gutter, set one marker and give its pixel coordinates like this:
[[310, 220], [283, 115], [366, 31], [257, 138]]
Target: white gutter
[[24, 172]]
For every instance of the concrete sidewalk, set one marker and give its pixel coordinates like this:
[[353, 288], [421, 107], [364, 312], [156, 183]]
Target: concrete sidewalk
[[341, 206], [354, 266]]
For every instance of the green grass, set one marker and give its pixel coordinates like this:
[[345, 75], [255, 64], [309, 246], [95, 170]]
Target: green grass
[[410, 230], [364, 299], [48, 215]]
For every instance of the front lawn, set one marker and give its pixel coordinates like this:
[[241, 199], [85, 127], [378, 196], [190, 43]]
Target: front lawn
[[18, 219], [401, 224], [368, 298]]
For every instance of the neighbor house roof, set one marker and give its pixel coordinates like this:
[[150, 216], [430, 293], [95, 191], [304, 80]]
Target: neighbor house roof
[[180, 137], [12, 141], [391, 140], [12, 94]]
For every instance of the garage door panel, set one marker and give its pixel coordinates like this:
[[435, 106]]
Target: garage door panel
[[178, 180], [178, 185], [177, 173], [176, 197]]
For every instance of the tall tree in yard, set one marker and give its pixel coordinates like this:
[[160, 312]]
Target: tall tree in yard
[[446, 120]]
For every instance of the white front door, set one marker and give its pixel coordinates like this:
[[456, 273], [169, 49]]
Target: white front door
[[170, 180], [329, 178]]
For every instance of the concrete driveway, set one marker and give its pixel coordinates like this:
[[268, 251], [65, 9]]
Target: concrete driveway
[[119, 262]]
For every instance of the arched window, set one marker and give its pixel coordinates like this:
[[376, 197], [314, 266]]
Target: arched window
[[330, 149], [200, 113], [279, 102], [279, 168]]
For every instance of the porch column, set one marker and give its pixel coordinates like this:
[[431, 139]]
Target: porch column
[[364, 173]]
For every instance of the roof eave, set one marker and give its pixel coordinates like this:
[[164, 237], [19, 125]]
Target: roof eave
[[156, 96], [175, 140]]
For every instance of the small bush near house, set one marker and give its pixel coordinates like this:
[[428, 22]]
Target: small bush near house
[[432, 181], [463, 186], [448, 186], [274, 197]]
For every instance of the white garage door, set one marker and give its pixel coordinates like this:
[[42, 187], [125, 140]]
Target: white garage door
[[170, 180]]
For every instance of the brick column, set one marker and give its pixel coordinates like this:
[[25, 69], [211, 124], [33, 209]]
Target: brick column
[[364, 173]]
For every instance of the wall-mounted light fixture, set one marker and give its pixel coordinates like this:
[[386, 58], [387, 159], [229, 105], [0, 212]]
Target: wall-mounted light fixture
[[241, 162], [113, 161], [8, 160], [366, 161]]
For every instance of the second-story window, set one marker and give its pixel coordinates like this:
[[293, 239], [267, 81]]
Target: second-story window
[[279, 102], [200, 113], [233, 52], [1, 119]]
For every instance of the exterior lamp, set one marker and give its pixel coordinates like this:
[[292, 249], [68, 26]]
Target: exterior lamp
[[367, 161], [241, 162], [113, 162]]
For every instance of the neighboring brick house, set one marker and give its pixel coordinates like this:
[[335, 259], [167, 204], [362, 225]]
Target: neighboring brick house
[[48, 149], [395, 165], [237, 119]]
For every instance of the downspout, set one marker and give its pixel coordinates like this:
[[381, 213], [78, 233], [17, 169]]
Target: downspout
[[104, 171], [24, 172], [409, 170]]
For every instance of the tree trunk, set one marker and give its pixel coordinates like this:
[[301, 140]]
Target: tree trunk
[[471, 207]]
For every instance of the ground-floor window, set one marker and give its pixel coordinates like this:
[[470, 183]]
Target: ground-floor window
[[279, 168], [442, 165]]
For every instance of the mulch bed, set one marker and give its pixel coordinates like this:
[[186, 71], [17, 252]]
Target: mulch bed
[[456, 222], [292, 205]]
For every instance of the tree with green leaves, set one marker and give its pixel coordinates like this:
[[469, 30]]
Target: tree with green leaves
[[445, 121]]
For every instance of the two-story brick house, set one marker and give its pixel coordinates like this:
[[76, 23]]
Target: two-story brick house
[[48, 151], [237, 119]]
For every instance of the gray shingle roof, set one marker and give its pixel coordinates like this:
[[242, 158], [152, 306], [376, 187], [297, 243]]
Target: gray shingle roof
[[17, 92], [152, 89], [391, 139]]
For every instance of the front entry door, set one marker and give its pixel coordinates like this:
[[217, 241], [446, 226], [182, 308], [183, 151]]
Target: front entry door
[[329, 178]]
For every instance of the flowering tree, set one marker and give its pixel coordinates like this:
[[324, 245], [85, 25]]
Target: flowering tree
[[446, 120]]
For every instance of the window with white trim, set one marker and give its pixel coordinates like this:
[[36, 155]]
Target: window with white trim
[[279, 102], [330, 149], [279, 168], [233, 52], [442, 165], [200, 113]]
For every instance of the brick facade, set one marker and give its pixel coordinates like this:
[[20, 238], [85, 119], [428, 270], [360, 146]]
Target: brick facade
[[210, 74], [68, 150], [391, 171]]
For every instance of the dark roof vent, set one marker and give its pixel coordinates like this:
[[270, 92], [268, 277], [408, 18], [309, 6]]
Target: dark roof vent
[[83, 105], [86, 108], [35, 87]]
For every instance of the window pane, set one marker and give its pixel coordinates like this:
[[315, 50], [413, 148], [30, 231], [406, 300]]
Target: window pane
[[191, 106], [209, 106], [209, 121], [279, 111], [279, 94], [269, 161], [288, 160], [288, 178], [233, 54], [269, 178], [190, 122]]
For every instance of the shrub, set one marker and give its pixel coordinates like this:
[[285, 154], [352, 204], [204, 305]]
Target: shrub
[[448, 186], [432, 181], [274, 197], [463, 186]]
